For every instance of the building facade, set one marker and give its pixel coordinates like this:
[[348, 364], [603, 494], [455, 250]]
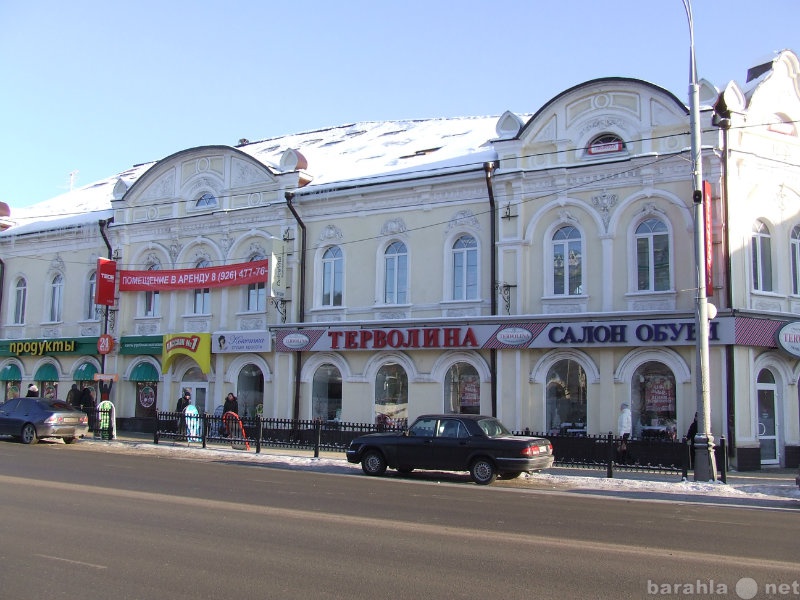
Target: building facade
[[535, 267]]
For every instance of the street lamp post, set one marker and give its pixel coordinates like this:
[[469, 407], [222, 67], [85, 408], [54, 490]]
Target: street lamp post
[[705, 468]]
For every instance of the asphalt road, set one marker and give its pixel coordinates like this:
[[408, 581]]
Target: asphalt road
[[77, 523]]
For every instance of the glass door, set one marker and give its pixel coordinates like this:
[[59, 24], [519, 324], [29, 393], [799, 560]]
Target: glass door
[[767, 421]]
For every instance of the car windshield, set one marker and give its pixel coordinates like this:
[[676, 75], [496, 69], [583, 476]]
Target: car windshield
[[493, 428]]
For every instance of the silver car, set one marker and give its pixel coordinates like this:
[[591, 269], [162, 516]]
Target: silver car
[[31, 419]]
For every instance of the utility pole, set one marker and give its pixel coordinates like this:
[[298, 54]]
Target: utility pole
[[705, 468]]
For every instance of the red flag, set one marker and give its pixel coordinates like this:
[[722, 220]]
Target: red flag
[[106, 277]]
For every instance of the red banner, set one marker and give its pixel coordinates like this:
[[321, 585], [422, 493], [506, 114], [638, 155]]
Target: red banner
[[709, 241], [104, 288], [183, 279]]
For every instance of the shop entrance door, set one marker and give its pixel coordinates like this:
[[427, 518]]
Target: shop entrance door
[[198, 390], [767, 424]]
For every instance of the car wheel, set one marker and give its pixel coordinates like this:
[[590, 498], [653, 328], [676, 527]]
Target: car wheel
[[510, 474], [69, 440], [483, 471], [373, 463], [28, 435]]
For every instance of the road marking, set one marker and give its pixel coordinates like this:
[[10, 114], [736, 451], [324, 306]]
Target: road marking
[[74, 562]]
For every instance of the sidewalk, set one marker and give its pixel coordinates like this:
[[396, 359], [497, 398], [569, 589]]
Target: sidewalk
[[740, 480]]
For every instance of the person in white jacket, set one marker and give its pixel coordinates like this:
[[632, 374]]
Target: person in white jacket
[[624, 421]]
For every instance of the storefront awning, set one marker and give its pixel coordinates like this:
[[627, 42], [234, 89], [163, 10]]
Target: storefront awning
[[144, 372], [46, 373], [85, 372], [10, 373]]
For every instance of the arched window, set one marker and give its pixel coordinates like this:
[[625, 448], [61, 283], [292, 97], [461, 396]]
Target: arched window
[[332, 277], [250, 391], [20, 300], [794, 249], [462, 390], [567, 252], [395, 288], [91, 288], [391, 396], [566, 398], [653, 410], [202, 296], [152, 300], [465, 268], [327, 394], [652, 256], [607, 143], [761, 251], [56, 298], [207, 200], [257, 292]]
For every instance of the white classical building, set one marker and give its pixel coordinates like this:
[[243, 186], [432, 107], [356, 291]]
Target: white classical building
[[536, 267]]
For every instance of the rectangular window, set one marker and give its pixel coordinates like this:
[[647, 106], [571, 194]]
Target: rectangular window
[[19, 306], [202, 301]]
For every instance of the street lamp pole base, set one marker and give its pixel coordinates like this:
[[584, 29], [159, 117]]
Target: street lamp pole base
[[705, 466]]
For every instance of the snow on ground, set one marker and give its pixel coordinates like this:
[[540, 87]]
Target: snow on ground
[[756, 488]]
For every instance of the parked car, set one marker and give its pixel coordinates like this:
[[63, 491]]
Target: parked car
[[479, 444], [30, 419]]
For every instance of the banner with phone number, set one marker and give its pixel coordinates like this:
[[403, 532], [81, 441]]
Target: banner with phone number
[[256, 271]]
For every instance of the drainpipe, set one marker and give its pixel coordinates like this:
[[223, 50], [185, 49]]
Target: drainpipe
[[488, 169], [301, 311], [102, 224]]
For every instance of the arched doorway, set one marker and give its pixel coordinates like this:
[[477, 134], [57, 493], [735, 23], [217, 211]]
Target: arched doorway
[[196, 382], [250, 391], [326, 399], [767, 418]]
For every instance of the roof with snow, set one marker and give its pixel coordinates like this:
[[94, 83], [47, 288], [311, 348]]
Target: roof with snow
[[356, 151]]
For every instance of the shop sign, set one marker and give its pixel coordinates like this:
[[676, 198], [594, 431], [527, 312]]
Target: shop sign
[[48, 347], [504, 336], [105, 344], [225, 342], [788, 338], [141, 344]]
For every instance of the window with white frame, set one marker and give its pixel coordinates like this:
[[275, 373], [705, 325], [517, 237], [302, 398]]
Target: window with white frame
[[257, 292], [332, 277], [20, 300], [201, 304], [395, 287], [91, 287], [794, 248], [761, 255], [152, 300], [465, 268], [56, 298], [567, 253], [607, 143], [652, 256]]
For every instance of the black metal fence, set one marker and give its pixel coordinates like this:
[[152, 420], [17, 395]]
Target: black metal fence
[[257, 432], [612, 453], [576, 451]]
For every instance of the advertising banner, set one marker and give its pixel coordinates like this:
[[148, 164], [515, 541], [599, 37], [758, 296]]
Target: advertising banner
[[106, 277], [256, 271], [194, 345]]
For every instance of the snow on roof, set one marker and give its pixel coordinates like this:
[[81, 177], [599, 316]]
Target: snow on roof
[[356, 151]]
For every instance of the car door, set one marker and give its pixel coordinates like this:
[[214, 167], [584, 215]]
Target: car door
[[414, 449], [450, 447], [8, 425]]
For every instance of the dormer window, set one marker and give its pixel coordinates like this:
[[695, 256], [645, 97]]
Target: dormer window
[[207, 200], [605, 144]]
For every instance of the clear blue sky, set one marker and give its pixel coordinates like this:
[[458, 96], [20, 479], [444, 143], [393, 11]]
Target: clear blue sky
[[98, 86]]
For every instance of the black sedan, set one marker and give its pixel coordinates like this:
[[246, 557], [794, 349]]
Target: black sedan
[[479, 444], [30, 419]]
